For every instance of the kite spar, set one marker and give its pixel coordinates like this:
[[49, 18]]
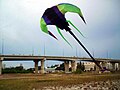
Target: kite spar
[[85, 49], [56, 16]]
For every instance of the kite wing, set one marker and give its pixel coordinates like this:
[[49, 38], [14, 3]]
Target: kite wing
[[44, 28], [66, 7]]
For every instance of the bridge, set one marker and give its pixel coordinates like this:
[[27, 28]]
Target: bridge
[[66, 60]]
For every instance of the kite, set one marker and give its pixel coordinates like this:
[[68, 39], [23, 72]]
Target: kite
[[56, 16]]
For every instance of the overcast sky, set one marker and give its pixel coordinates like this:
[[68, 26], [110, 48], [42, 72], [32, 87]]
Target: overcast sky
[[21, 34]]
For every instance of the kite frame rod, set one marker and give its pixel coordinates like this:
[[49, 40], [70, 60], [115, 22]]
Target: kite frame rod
[[85, 49]]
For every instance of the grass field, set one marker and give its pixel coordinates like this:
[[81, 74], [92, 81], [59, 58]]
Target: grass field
[[31, 81]]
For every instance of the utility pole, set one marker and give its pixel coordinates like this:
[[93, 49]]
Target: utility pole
[[80, 53], [93, 54], [76, 51], [63, 51], [32, 51], [44, 49], [2, 46], [107, 54]]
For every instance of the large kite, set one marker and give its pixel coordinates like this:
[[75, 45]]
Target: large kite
[[56, 16]]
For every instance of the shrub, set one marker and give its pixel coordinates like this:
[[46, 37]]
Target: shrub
[[78, 71]]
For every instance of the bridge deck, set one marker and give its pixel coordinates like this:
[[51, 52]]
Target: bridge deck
[[58, 58]]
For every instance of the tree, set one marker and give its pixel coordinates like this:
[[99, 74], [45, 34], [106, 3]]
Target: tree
[[81, 66]]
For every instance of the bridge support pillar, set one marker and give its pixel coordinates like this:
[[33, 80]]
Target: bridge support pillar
[[119, 66], [104, 65], [42, 66], [73, 66], [0, 67], [109, 64], [36, 66], [113, 66], [66, 64], [96, 68]]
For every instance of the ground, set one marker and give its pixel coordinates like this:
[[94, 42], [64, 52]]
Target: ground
[[59, 81]]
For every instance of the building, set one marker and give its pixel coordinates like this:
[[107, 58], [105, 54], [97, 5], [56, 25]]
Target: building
[[89, 66]]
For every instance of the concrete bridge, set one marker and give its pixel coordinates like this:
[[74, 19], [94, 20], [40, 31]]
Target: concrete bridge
[[42, 59]]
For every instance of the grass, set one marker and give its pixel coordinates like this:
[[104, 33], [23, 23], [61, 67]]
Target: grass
[[30, 81]]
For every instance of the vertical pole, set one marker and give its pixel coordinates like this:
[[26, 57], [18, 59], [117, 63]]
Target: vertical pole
[[0, 67], [32, 51], [113, 66], [2, 46], [42, 66], [44, 49], [119, 66], [93, 53], [104, 65], [80, 53], [73, 66], [108, 65], [97, 69], [36, 66], [66, 64], [107, 54], [63, 51], [76, 51]]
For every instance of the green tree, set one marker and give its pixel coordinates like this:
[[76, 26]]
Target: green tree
[[81, 66]]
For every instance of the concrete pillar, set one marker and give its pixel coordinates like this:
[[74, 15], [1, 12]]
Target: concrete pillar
[[36, 66], [108, 65], [0, 67], [104, 65], [113, 66], [96, 68], [119, 66], [66, 64], [42, 66], [73, 66]]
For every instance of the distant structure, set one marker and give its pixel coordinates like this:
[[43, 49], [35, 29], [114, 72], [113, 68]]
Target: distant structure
[[50, 70], [89, 66]]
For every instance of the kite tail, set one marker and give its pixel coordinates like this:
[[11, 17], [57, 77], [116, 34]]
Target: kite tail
[[63, 36], [75, 27]]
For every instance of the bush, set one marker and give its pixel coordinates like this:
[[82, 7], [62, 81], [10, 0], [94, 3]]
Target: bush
[[16, 70], [78, 71]]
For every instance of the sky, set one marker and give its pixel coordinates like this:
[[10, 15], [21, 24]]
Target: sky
[[20, 31]]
